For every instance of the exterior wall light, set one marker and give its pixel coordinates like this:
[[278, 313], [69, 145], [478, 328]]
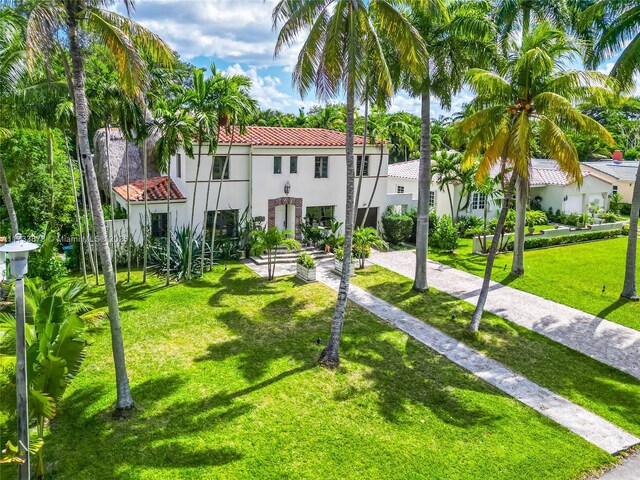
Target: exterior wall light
[[287, 188]]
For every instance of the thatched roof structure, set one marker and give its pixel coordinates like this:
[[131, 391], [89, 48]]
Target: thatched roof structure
[[117, 160]]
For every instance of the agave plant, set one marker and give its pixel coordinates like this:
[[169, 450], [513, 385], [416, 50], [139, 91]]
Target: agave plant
[[179, 259], [55, 350]]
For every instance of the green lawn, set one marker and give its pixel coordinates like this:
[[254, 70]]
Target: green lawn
[[604, 390], [573, 275], [223, 372]]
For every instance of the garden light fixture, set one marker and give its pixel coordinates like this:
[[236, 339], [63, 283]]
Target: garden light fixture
[[18, 252]]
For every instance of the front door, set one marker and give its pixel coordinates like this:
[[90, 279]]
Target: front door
[[285, 217]]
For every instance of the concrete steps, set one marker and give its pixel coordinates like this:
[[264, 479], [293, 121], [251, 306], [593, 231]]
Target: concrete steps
[[285, 257]]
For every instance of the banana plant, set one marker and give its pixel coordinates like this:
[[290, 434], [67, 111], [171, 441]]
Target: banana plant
[[55, 350]]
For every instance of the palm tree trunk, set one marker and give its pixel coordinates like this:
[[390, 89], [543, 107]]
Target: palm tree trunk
[[145, 239], [114, 253], [330, 356], [215, 212], [630, 285], [424, 186], [364, 149], [375, 186], [85, 198], [168, 232], [83, 262], [52, 200], [493, 250], [193, 209], [517, 266], [124, 399], [6, 193], [129, 239], [206, 207], [450, 199]]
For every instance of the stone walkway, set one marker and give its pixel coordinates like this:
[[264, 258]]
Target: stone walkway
[[607, 342], [580, 421], [588, 425], [629, 469]]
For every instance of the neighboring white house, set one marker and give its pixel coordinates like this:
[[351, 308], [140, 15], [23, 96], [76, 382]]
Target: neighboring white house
[[278, 175], [621, 174], [549, 186]]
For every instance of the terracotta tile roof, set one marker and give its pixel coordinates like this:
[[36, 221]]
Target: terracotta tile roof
[[289, 136], [156, 190]]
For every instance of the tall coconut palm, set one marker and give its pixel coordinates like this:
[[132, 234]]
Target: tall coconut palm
[[384, 127], [79, 21], [234, 107], [198, 99], [532, 97], [175, 128], [621, 19], [457, 36], [341, 34]]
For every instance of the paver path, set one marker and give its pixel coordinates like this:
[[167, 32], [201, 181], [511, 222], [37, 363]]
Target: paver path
[[629, 469], [589, 426], [608, 342]]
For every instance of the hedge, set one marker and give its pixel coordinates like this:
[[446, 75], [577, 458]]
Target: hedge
[[542, 241], [397, 227]]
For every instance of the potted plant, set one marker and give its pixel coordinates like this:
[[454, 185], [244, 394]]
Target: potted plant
[[339, 257], [306, 267], [531, 228]]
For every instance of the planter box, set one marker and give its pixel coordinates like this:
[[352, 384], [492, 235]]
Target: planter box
[[242, 254], [337, 267], [306, 274]]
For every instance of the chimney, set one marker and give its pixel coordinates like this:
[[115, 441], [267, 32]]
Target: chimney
[[617, 155]]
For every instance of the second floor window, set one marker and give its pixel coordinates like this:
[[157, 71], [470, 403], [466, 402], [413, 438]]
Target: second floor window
[[359, 166], [399, 189], [293, 164], [179, 165], [277, 164], [614, 189], [218, 165], [478, 201], [432, 198], [322, 167]]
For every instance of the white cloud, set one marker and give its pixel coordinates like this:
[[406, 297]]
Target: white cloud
[[269, 91]]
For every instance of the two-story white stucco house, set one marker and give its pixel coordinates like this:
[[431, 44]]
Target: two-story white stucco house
[[549, 186], [278, 175]]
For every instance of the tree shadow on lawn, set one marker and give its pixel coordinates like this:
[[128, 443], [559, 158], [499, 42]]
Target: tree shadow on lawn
[[538, 358], [398, 376], [620, 302], [108, 447]]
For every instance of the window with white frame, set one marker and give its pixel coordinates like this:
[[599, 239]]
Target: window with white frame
[[365, 173], [277, 165], [399, 189], [614, 189], [478, 201], [218, 166], [322, 167], [432, 198]]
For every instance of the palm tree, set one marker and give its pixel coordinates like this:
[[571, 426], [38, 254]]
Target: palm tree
[[384, 128], [532, 90], [622, 19], [456, 37], [198, 99], [175, 128], [342, 33], [127, 42], [234, 106], [363, 240], [269, 240], [446, 172]]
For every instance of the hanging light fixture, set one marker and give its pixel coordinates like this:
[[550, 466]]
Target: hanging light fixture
[[287, 188]]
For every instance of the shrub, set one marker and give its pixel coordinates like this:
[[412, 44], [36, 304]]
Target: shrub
[[306, 260], [608, 217], [178, 260], [615, 202], [625, 229], [397, 227], [536, 217], [363, 240], [445, 235], [47, 266], [466, 225], [584, 220], [625, 208], [413, 215], [542, 241]]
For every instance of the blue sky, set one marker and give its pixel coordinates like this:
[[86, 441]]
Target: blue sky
[[237, 36]]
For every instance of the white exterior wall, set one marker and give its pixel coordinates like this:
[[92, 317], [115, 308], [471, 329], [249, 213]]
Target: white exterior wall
[[252, 183], [578, 198]]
